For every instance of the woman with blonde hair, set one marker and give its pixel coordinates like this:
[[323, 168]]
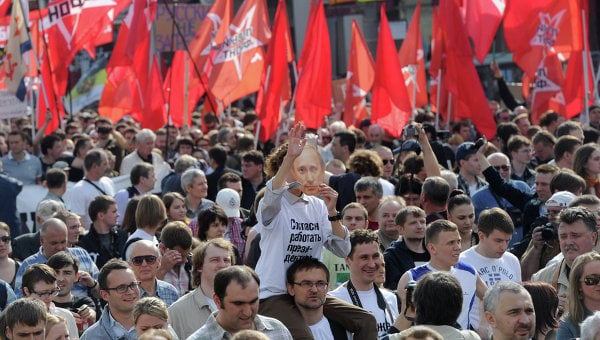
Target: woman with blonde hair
[[150, 215], [583, 294], [56, 328], [8, 266], [150, 313]]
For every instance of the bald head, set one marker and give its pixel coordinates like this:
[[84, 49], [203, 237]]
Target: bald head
[[144, 247], [502, 164], [53, 236]]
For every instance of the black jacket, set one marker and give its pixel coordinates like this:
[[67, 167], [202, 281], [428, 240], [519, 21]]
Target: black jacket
[[100, 254], [398, 259]]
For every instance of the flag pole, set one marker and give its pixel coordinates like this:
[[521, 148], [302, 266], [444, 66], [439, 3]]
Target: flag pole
[[437, 99], [586, 96], [35, 57], [186, 90], [449, 111]]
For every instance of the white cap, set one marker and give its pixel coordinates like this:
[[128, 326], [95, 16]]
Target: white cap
[[560, 199], [229, 200]]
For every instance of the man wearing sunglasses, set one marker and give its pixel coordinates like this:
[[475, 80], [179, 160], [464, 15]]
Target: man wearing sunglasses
[[577, 234], [120, 289], [144, 258], [39, 282]]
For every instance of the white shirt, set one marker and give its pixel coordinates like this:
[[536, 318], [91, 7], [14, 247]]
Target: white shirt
[[321, 330]]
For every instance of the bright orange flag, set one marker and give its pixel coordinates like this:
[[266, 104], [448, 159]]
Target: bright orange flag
[[413, 62], [275, 83], [535, 29], [390, 103], [313, 92], [359, 79], [461, 78], [238, 61], [482, 18]]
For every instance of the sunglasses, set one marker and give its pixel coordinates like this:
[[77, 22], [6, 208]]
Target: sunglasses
[[139, 260], [592, 279], [502, 167], [5, 239], [386, 161]]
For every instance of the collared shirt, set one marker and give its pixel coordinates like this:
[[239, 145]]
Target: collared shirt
[[108, 328], [27, 170], [180, 279], [86, 264], [194, 213], [190, 312], [464, 185], [118, 329], [164, 291], [234, 234], [272, 328]]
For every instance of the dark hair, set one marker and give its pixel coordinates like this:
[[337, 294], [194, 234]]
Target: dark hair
[[254, 156], [128, 224], [218, 154], [100, 204], [436, 227], [584, 200], [37, 273], [567, 180], [92, 157], [228, 177], [208, 216], [566, 127], [55, 178], [574, 214], [436, 189], [590, 135], [48, 143], [506, 130], [184, 141], [62, 259], [347, 138], [495, 219], [109, 267], [517, 142], [365, 163], [175, 234], [545, 304], [140, 170], [582, 155], [458, 197], [434, 290], [565, 144], [80, 144], [408, 184], [548, 118], [544, 137], [25, 311], [362, 236], [413, 164], [240, 274], [199, 253], [305, 263]]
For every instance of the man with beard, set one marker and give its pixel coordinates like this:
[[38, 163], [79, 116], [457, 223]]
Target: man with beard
[[509, 311], [307, 281]]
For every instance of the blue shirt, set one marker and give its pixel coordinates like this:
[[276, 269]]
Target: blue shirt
[[86, 264], [27, 170], [164, 291]]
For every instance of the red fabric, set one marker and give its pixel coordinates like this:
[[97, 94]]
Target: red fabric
[[547, 93], [181, 88], [558, 20], [238, 61], [413, 63], [55, 105], [359, 79], [482, 18], [390, 103], [154, 113], [275, 83], [215, 24], [461, 78], [4, 5], [437, 67], [313, 92]]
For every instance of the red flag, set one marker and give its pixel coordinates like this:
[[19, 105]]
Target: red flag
[[437, 67], [390, 102], [534, 29], [211, 32], [413, 63], [238, 61], [482, 18], [182, 89], [547, 93], [462, 79], [359, 79], [55, 105], [313, 92], [275, 84], [574, 88], [154, 113]]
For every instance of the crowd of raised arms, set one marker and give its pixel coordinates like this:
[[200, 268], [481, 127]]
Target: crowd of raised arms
[[112, 231]]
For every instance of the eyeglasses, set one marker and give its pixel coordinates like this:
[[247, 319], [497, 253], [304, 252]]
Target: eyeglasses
[[122, 289], [321, 285], [502, 167], [139, 260], [51, 293], [5, 239], [386, 161], [591, 280]]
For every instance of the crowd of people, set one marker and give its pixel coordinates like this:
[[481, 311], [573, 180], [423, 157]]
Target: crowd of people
[[335, 233]]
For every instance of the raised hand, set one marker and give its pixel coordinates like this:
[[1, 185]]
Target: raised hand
[[296, 140]]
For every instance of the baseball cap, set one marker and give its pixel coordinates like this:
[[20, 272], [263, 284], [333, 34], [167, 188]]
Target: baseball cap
[[465, 150], [410, 145], [61, 165], [229, 200], [560, 199]]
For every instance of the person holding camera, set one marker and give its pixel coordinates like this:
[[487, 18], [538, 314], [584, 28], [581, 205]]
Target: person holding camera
[[577, 234]]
